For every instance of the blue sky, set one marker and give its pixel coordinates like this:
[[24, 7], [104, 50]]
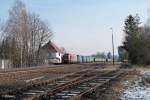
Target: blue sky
[[83, 26]]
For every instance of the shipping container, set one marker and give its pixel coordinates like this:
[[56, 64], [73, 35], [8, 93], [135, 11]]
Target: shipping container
[[84, 59], [79, 58], [87, 59]]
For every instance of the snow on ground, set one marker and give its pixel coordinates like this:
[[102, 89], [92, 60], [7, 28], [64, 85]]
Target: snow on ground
[[136, 91]]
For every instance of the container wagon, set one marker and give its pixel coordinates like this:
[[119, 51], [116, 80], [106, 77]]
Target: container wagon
[[79, 59], [87, 59], [84, 59]]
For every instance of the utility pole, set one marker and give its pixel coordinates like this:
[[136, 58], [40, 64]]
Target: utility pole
[[21, 57], [112, 45]]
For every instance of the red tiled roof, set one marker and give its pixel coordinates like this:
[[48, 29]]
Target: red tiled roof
[[52, 47]]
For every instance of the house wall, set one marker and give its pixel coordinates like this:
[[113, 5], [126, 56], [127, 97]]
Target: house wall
[[59, 55], [55, 57]]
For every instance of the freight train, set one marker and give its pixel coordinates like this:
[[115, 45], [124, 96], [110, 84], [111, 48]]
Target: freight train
[[69, 58]]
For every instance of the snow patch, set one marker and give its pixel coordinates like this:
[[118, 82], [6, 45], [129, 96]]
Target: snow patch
[[136, 91]]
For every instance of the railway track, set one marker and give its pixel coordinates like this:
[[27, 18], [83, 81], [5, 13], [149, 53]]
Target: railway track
[[40, 87], [33, 72], [57, 88], [88, 85]]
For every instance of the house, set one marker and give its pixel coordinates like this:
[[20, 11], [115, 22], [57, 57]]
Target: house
[[52, 53]]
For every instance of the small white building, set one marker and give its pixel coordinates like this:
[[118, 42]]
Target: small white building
[[53, 54]]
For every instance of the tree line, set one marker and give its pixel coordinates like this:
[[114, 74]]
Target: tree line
[[22, 36], [137, 40], [102, 55]]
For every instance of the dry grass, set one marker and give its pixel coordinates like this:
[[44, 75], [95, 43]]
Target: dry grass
[[142, 67], [108, 68], [116, 90]]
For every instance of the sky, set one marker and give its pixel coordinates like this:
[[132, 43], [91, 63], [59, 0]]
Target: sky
[[83, 26]]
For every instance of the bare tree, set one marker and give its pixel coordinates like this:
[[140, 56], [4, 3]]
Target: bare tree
[[40, 33], [27, 32]]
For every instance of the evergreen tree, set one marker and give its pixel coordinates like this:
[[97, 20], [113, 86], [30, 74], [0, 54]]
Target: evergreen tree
[[131, 30]]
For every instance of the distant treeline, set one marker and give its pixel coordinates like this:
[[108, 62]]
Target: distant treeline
[[103, 55]]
